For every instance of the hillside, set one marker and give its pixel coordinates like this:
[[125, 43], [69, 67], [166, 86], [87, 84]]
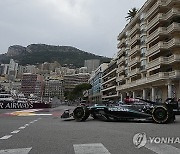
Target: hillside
[[39, 53]]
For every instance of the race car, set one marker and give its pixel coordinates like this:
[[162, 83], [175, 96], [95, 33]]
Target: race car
[[133, 110]]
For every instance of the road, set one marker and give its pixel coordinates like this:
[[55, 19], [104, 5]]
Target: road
[[43, 132]]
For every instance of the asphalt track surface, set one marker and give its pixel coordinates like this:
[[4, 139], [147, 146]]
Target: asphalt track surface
[[43, 132]]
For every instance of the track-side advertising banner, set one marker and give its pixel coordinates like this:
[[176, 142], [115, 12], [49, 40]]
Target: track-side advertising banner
[[15, 105]]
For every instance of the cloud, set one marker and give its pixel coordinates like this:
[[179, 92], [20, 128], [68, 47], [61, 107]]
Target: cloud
[[90, 25]]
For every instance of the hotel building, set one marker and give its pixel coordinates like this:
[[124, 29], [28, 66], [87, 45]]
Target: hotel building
[[149, 52]]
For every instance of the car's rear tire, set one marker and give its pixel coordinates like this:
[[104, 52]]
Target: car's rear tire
[[161, 114], [81, 113]]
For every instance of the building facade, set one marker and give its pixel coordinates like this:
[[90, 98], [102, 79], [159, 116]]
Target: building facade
[[95, 94], [13, 69], [32, 84], [91, 64], [54, 87], [109, 83], [149, 52], [70, 81]]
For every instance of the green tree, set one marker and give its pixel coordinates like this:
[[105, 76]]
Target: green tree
[[77, 91], [131, 13]]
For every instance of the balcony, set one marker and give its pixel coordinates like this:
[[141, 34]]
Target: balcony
[[134, 50], [164, 31], [135, 28], [120, 70], [120, 52], [155, 7], [121, 60], [155, 20], [161, 16], [120, 78], [175, 42], [163, 60], [135, 38], [109, 80], [172, 12], [173, 58], [164, 75], [155, 77], [134, 61], [109, 96], [134, 72], [121, 43], [112, 71], [108, 88]]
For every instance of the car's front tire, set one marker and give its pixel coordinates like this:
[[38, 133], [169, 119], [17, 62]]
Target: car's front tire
[[81, 113]]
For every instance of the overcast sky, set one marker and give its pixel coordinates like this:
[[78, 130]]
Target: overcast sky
[[90, 25]]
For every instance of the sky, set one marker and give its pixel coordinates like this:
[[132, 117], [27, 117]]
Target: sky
[[89, 25]]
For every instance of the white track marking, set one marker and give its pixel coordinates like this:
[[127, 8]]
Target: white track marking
[[41, 114], [162, 148], [22, 127], [94, 148], [5, 137], [16, 151], [15, 131], [30, 110]]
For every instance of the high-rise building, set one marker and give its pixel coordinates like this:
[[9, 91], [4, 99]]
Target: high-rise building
[[109, 83], [91, 64], [12, 71], [95, 94], [149, 52]]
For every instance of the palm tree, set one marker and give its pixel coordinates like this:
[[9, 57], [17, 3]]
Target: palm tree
[[131, 13]]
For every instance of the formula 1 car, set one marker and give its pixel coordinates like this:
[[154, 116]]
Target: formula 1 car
[[132, 109]]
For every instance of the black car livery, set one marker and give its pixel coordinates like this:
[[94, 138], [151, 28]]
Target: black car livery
[[133, 110]]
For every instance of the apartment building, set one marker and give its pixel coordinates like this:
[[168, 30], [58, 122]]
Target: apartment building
[[149, 52], [95, 94], [70, 81], [109, 83], [54, 87], [32, 84], [13, 69]]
